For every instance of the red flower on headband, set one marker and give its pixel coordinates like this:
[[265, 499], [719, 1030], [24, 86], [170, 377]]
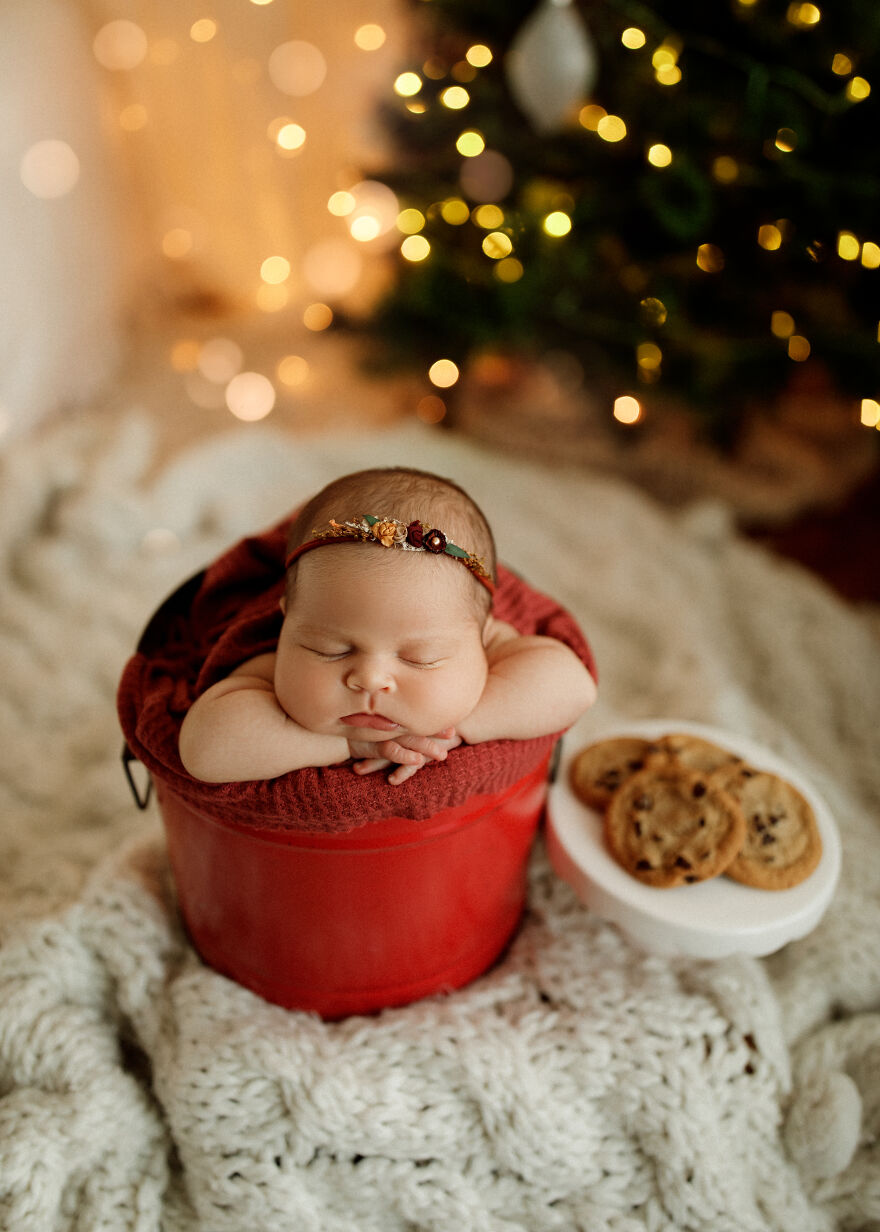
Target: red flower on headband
[[435, 541], [415, 534]]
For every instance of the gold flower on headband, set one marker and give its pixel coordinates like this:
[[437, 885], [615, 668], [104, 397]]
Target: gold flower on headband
[[389, 532]]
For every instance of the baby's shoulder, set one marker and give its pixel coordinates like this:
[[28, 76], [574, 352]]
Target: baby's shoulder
[[261, 667]]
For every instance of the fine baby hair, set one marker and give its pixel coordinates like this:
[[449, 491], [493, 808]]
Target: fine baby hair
[[397, 507]]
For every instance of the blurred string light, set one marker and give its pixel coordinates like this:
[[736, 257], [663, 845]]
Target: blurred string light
[[369, 37], [49, 169], [443, 373], [297, 68], [627, 409], [120, 46], [203, 30], [250, 396]]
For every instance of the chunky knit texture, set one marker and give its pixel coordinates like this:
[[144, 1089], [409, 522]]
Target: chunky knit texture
[[580, 1084]]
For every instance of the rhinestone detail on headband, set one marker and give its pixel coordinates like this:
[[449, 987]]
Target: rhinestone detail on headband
[[392, 533]]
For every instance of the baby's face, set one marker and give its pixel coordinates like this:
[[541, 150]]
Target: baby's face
[[378, 642]]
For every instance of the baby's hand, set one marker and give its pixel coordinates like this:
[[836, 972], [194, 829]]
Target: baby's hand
[[408, 753]]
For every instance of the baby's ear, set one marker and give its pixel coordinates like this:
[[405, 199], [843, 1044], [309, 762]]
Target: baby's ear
[[282, 603]]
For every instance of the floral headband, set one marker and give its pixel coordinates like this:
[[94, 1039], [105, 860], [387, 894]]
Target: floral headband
[[391, 533]]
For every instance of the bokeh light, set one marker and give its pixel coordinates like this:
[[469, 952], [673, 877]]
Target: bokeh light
[[297, 68], [49, 169], [443, 373], [250, 396], [120, 46]]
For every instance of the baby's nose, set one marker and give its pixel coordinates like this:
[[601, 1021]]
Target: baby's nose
[[369, 675]]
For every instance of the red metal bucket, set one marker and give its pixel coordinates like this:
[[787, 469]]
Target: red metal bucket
[[352, 923]]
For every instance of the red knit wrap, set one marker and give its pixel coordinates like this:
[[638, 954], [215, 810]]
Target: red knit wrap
[[229, 614]]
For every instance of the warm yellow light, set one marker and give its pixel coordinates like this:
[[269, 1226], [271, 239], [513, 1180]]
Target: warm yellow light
[[668, 74], [470, 143], [203, 30], [497, 245], [120, 45], [870, 413], [611, 128], [871, 255], [664, 56], [489, 217], [786, 140], [455, 97], [747, 4], [633, 38], [659, 155], [857, 89], [410, 221], [177, 243], [49, 169], [365, 227], [769, 237], [627, 409], [133, 117], [589, 116], [455, 211], [296, 67], [291, 137], [185, 355], [725, 169], [275, 270], [710, 258], [798, 348], [369, 37], [848, 246], [408, 84], [508, 270], [653, 311], [479, 55], [219, 360], [842, 65], [781, 324], [293, 370], [557, 224], [803, 15], [415, 248], [261, 2], [250, 396], [431, 409], [341, 204], [463, 70], [648, 355], [272, 297], [443, 373], [317, 317]]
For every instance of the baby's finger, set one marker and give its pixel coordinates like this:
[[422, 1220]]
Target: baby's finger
[[368, 765], [401, 774]]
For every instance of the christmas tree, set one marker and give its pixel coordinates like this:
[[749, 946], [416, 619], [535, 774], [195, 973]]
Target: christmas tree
[[680, 199]]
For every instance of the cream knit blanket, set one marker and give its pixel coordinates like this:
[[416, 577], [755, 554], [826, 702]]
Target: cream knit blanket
[[580, 1085]]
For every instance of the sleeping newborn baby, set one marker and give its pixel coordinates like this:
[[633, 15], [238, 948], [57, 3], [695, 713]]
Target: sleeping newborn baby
[[389, 652]]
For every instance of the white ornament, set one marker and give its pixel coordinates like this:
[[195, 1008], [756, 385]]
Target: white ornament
[[552, 64]]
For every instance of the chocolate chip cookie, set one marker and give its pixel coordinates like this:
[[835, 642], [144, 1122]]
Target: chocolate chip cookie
[[598, 770], [782, 843], [670, 826]]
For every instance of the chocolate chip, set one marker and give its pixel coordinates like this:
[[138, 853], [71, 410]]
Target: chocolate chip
[[635, 765], [699, 790], [768, 838], [643, 802], [691, 878], [637, 826], [681, 862], [642, 864]]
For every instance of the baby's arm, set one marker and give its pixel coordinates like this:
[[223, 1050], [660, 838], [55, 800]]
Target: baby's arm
[[237, 731], [536, 685]]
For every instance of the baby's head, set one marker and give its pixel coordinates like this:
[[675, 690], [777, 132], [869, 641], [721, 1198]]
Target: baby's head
[[385, 630]]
